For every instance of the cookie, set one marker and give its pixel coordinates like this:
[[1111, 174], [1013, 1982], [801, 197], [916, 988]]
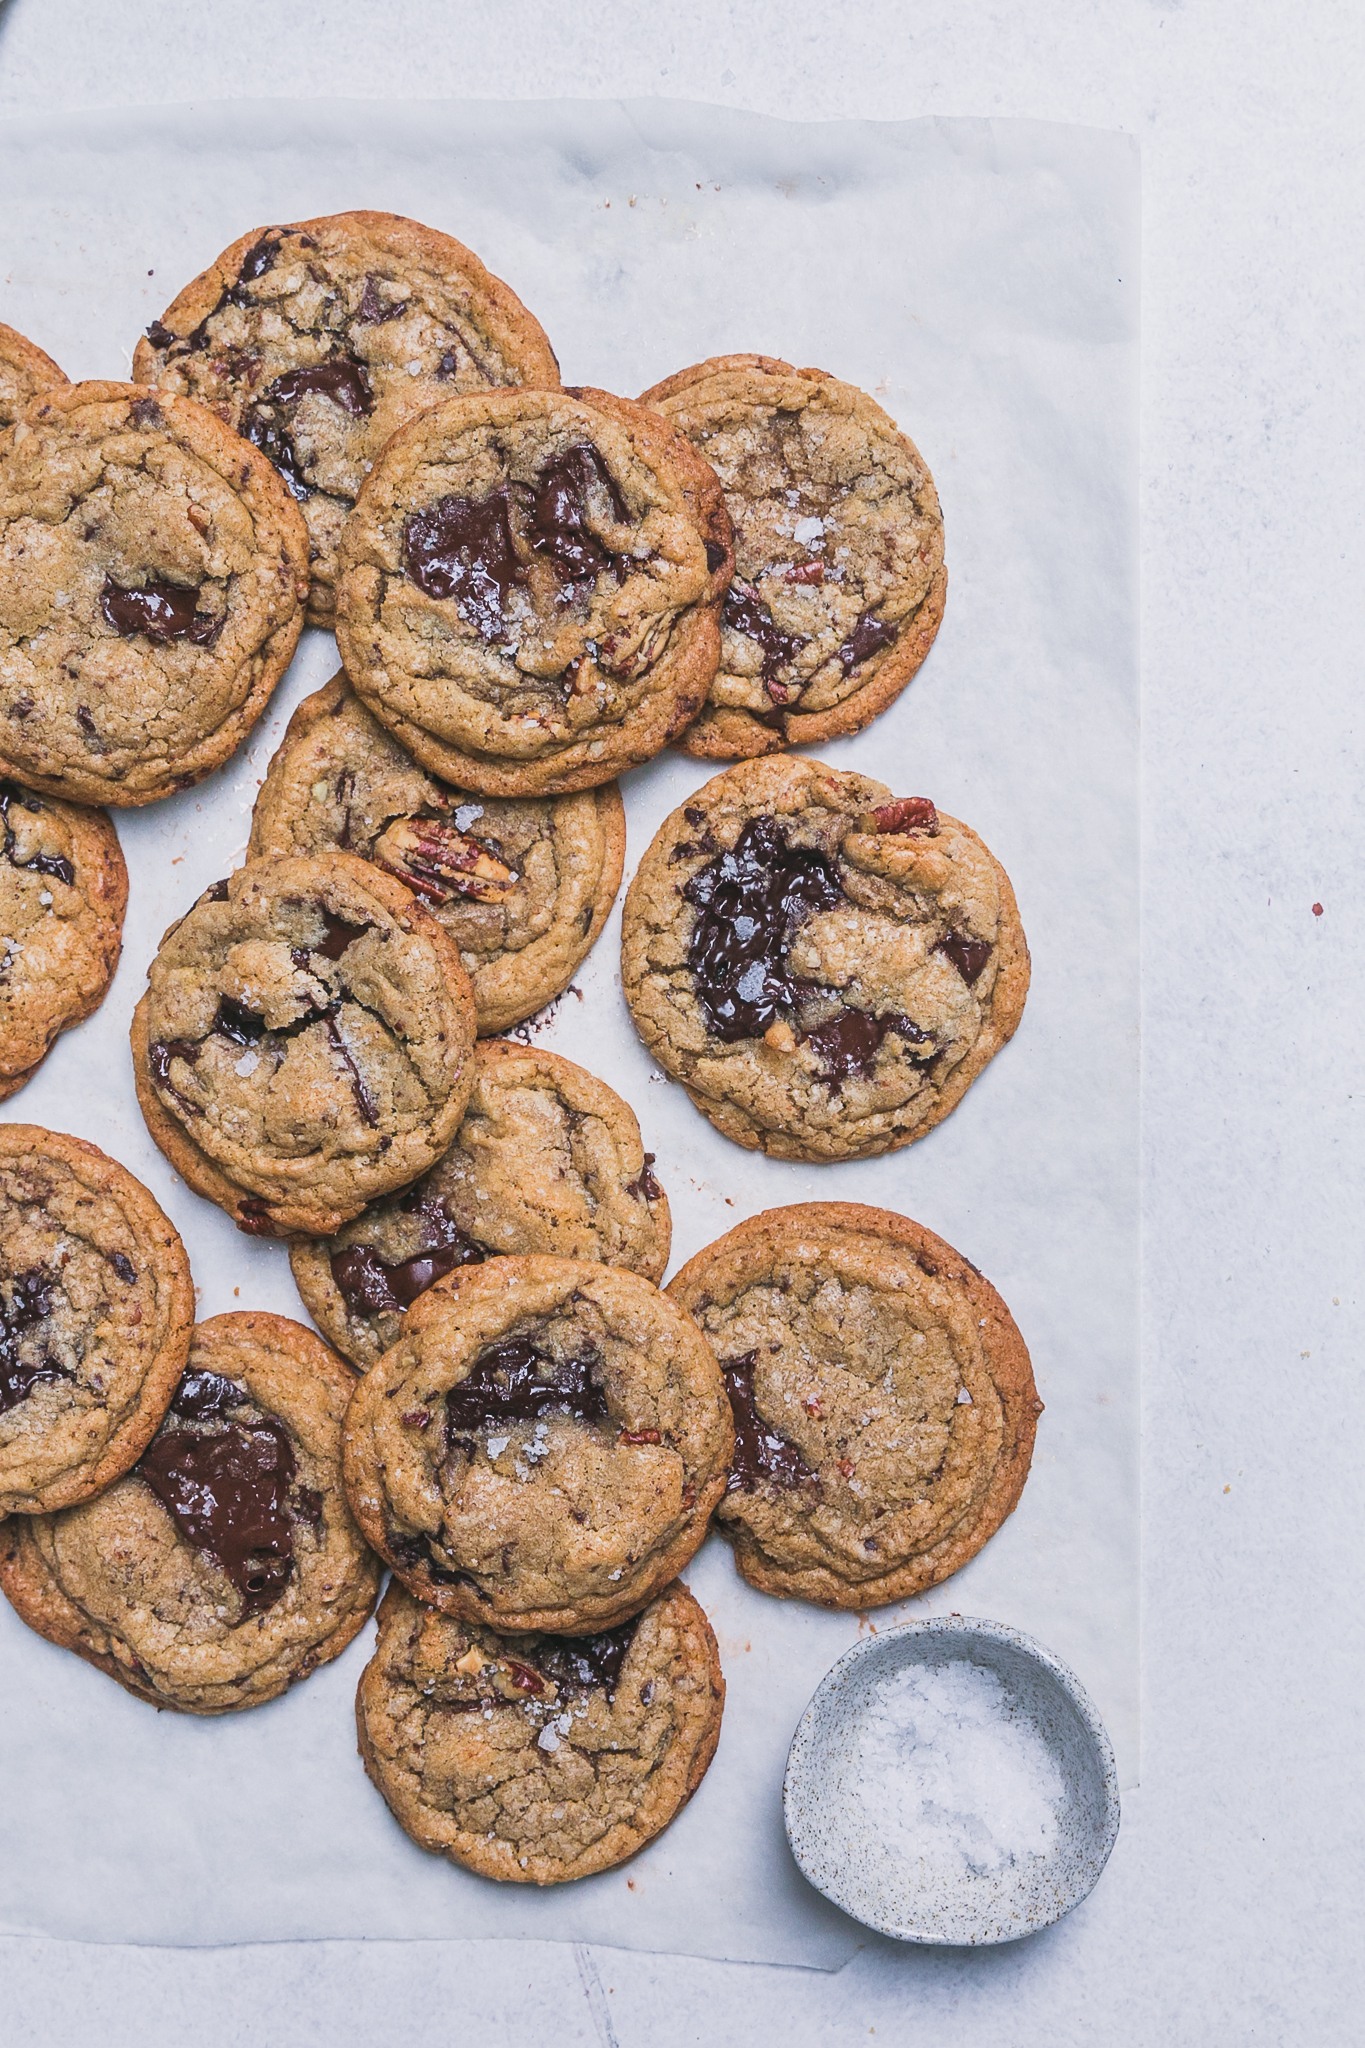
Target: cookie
[[839, 580], [63, 892], [883, 1399], [152, 575], [96, 1305], [825, 966], [523, 885], [532, 1758], [542, 1447], [547, 1160], [304, 1043], [24, 372], [226, 1564], [317, 341], [529, 595]]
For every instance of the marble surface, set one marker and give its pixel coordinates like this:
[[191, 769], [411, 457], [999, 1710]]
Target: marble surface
[[1227, 1911]]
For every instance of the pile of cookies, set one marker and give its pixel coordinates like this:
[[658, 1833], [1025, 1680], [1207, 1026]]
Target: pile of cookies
[[349, 422]]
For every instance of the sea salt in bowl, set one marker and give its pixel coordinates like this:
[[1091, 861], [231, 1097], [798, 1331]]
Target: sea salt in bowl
[[951, 1782]]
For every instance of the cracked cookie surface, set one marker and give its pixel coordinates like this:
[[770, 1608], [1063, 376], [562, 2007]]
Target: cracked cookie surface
[[884, 1401], [839, 582], [547, 1160], [523, 885], [825, 966], [152, 575], [96, 1305], [530, 590], [318, 340], [24, 372], [537, 1759], [304, 1043], [226, 1564], [543, 1446], [63, 892]]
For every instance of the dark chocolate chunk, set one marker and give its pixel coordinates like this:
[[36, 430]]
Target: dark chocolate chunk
[[369, 1287], [235, 1021], [123, 1266], [645, 1187], [559, 525], [204, 1394], [582, 1663], [340, 378], [760, 1453], [869, 636], [462, 548], [217, 892], [272, 437], [373, 312], [752, 901], [745, 612], [259, 258], [364, 1101], [228, 1495], [968, 956], [55, 864], [849, 1042], [715, 555], [340, 935], [23, 1306], [159, 334], [515, 1382], [161, 611], [159, 1057], [145, 412]]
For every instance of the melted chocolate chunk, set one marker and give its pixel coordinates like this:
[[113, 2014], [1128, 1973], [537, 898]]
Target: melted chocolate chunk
[[559, 519], [228, 1495], [462, 548], [715, 555], [54, 864], [849, 1043], [760, 1453], [259, 258], [515, 1382], [30, 1300], [236, 1022], [276, 443], [202, 1394], [645, 1187], [745, 612], [373, 312], [340, 378], [369, 1287], [340, 935], [161, 611], [968, 956], [752, 902], [364, 1101], [159, 1057], [581, 1663], [869, 636]]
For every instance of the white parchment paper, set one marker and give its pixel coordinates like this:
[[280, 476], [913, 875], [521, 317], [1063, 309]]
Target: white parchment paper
[[981, 279]]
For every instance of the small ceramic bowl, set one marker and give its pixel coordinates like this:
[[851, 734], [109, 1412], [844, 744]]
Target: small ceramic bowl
[[835, 1840]]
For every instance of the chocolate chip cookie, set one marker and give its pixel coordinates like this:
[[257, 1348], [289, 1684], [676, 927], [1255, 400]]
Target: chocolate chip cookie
[[535, 1758], [839, 580], [304, 1043], [24, 372], [826, 966], [547, 1160], [317, 341], [529, 593], [542, 1447], [152, 575], [883, 1399], [225, 1565], [523, 885], [63, 892], [96, 1305]]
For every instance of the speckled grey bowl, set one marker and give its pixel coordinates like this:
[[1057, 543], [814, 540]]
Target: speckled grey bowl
[[835, 1840]]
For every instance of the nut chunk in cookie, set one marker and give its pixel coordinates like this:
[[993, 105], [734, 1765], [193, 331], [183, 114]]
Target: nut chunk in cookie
[[153, 570], [317, 341], [523, 885], [543, 1446], [839, 580], [529, 597], [304, 1043], [96, 1305], [535, 1758], [883, 1398], [547, 1159], [226, 1564], [825, 966], [63, 892], [24, 372]]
